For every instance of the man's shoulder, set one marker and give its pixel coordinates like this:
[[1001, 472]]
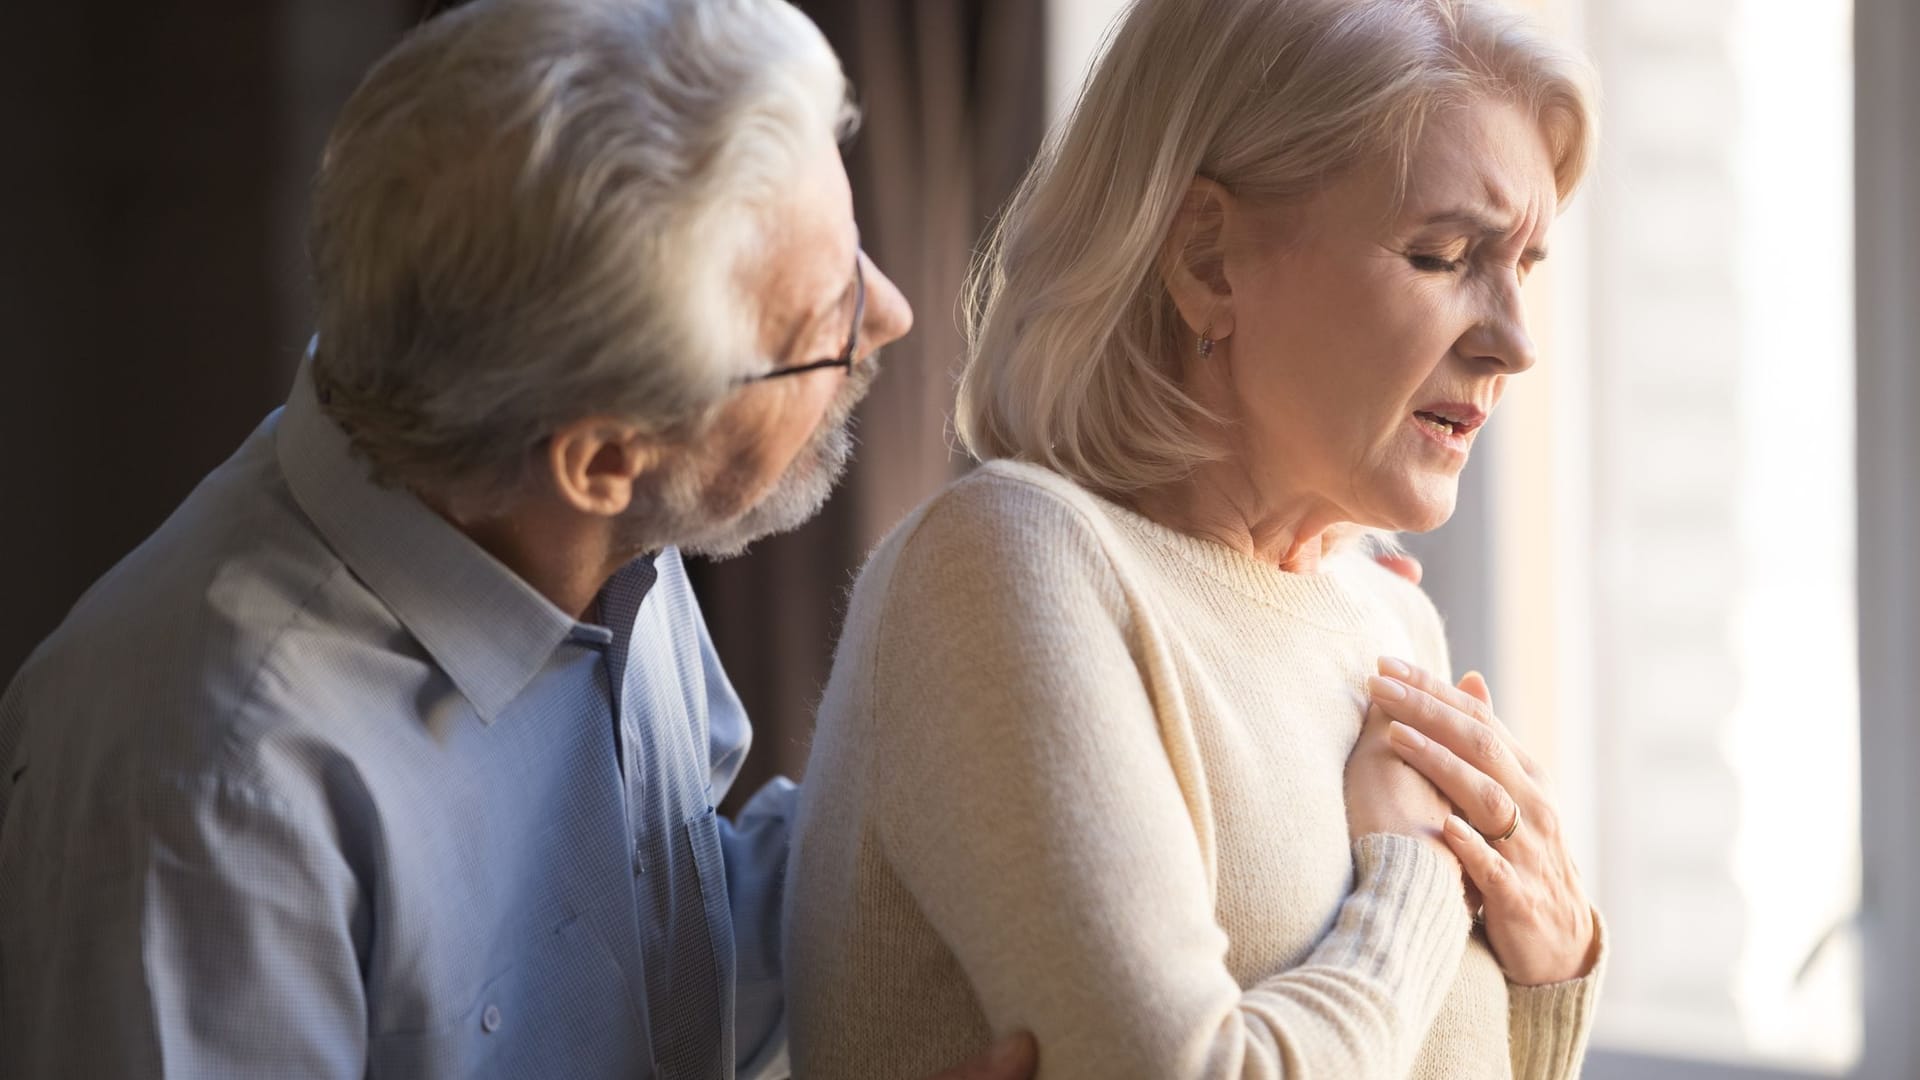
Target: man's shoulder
[[165, 655]]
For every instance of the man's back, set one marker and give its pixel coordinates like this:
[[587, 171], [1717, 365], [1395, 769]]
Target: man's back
[[309, 785]]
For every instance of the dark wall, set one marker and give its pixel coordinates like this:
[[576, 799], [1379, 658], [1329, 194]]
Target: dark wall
[[152, 289]]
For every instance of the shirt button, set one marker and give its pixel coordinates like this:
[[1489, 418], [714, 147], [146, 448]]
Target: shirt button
[[490, 1019], [639, 858]]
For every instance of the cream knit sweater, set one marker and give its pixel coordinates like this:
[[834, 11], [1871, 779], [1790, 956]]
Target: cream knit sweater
[[1080, 774]]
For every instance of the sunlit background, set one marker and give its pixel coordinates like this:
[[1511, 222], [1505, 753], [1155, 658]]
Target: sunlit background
[[1654, 558]]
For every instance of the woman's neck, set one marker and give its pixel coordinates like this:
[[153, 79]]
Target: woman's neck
[[1220, 502]]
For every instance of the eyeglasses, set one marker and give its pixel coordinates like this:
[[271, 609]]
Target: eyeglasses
[[845, 359]]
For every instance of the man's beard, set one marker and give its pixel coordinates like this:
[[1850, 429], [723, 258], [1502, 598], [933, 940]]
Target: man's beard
[[793, 500], [681, 514]]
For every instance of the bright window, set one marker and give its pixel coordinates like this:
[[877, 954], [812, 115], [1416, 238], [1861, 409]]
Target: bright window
[[1688, 471]]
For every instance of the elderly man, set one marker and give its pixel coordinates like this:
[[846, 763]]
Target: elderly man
[[395, 751]]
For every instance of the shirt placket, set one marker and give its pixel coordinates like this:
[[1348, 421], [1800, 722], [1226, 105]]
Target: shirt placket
[[622, 603]]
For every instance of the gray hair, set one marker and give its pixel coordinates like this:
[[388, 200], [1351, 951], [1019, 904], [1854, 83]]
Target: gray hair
[[533, 211]]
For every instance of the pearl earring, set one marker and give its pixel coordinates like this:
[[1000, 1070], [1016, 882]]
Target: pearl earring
[[1206, 343]]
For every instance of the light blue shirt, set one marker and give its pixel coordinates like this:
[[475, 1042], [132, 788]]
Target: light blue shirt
[[310, 785]]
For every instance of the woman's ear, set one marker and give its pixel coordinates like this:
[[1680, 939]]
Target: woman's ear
[[1193, 259]]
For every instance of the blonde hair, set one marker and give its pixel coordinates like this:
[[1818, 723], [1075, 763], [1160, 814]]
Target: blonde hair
[[534, 211], [1071, 331]]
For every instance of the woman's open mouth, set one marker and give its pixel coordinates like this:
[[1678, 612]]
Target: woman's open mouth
[[1451, 425]]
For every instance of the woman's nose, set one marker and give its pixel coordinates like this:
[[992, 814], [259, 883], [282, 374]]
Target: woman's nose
[[1500, 339], [888, 315]]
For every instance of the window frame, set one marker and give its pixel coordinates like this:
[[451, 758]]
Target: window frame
[[1887, 277]]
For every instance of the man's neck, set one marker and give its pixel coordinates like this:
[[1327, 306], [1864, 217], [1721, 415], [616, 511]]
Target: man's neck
[[565, 557]]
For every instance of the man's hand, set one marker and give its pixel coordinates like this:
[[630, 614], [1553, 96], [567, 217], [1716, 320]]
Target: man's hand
[[1403, 564], [1012, 1058]]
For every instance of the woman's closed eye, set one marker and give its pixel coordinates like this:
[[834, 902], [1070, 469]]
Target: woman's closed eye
[[1435, 264], [1441, 264]]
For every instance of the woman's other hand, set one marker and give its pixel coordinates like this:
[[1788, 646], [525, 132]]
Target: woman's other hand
[[1385, 796], [1539, 921]]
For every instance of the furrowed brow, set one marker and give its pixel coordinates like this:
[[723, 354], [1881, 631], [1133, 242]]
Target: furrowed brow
[[1474, 221], [1482, 225]]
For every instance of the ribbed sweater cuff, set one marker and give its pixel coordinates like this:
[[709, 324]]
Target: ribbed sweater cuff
[[1405, 924], [1550, 1024]]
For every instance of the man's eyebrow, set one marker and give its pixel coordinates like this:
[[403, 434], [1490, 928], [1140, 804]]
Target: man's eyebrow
[[1481, 224]]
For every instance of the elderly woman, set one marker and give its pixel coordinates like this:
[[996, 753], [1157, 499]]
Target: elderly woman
[[1117, 748]]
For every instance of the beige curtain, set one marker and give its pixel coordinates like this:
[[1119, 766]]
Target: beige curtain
[[952, 94]]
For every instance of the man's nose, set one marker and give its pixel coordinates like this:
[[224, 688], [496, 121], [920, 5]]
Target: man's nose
[[888, 315]]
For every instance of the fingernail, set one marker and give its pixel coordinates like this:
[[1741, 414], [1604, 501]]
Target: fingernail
[[1399, 669], [1385, 689], [1405, 736], [1458, 827]]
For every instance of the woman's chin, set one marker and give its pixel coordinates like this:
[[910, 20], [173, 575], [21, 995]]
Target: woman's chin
[[1421, 509]]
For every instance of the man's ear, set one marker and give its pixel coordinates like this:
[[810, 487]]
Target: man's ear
[[1193, 259], [593, 463]]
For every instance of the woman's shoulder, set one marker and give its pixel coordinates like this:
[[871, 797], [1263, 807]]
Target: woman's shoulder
[[1006, 507], [1008, 488], [1007, 525]]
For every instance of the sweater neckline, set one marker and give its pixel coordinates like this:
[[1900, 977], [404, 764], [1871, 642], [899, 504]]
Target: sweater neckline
[[1327, 598]]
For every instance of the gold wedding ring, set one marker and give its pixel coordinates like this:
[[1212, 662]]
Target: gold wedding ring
[[1511, 829]]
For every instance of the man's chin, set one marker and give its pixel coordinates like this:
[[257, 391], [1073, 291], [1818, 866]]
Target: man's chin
[[803, 488], [794, 500]]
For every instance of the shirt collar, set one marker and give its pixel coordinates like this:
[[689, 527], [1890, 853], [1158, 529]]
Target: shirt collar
[[483, 624]]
